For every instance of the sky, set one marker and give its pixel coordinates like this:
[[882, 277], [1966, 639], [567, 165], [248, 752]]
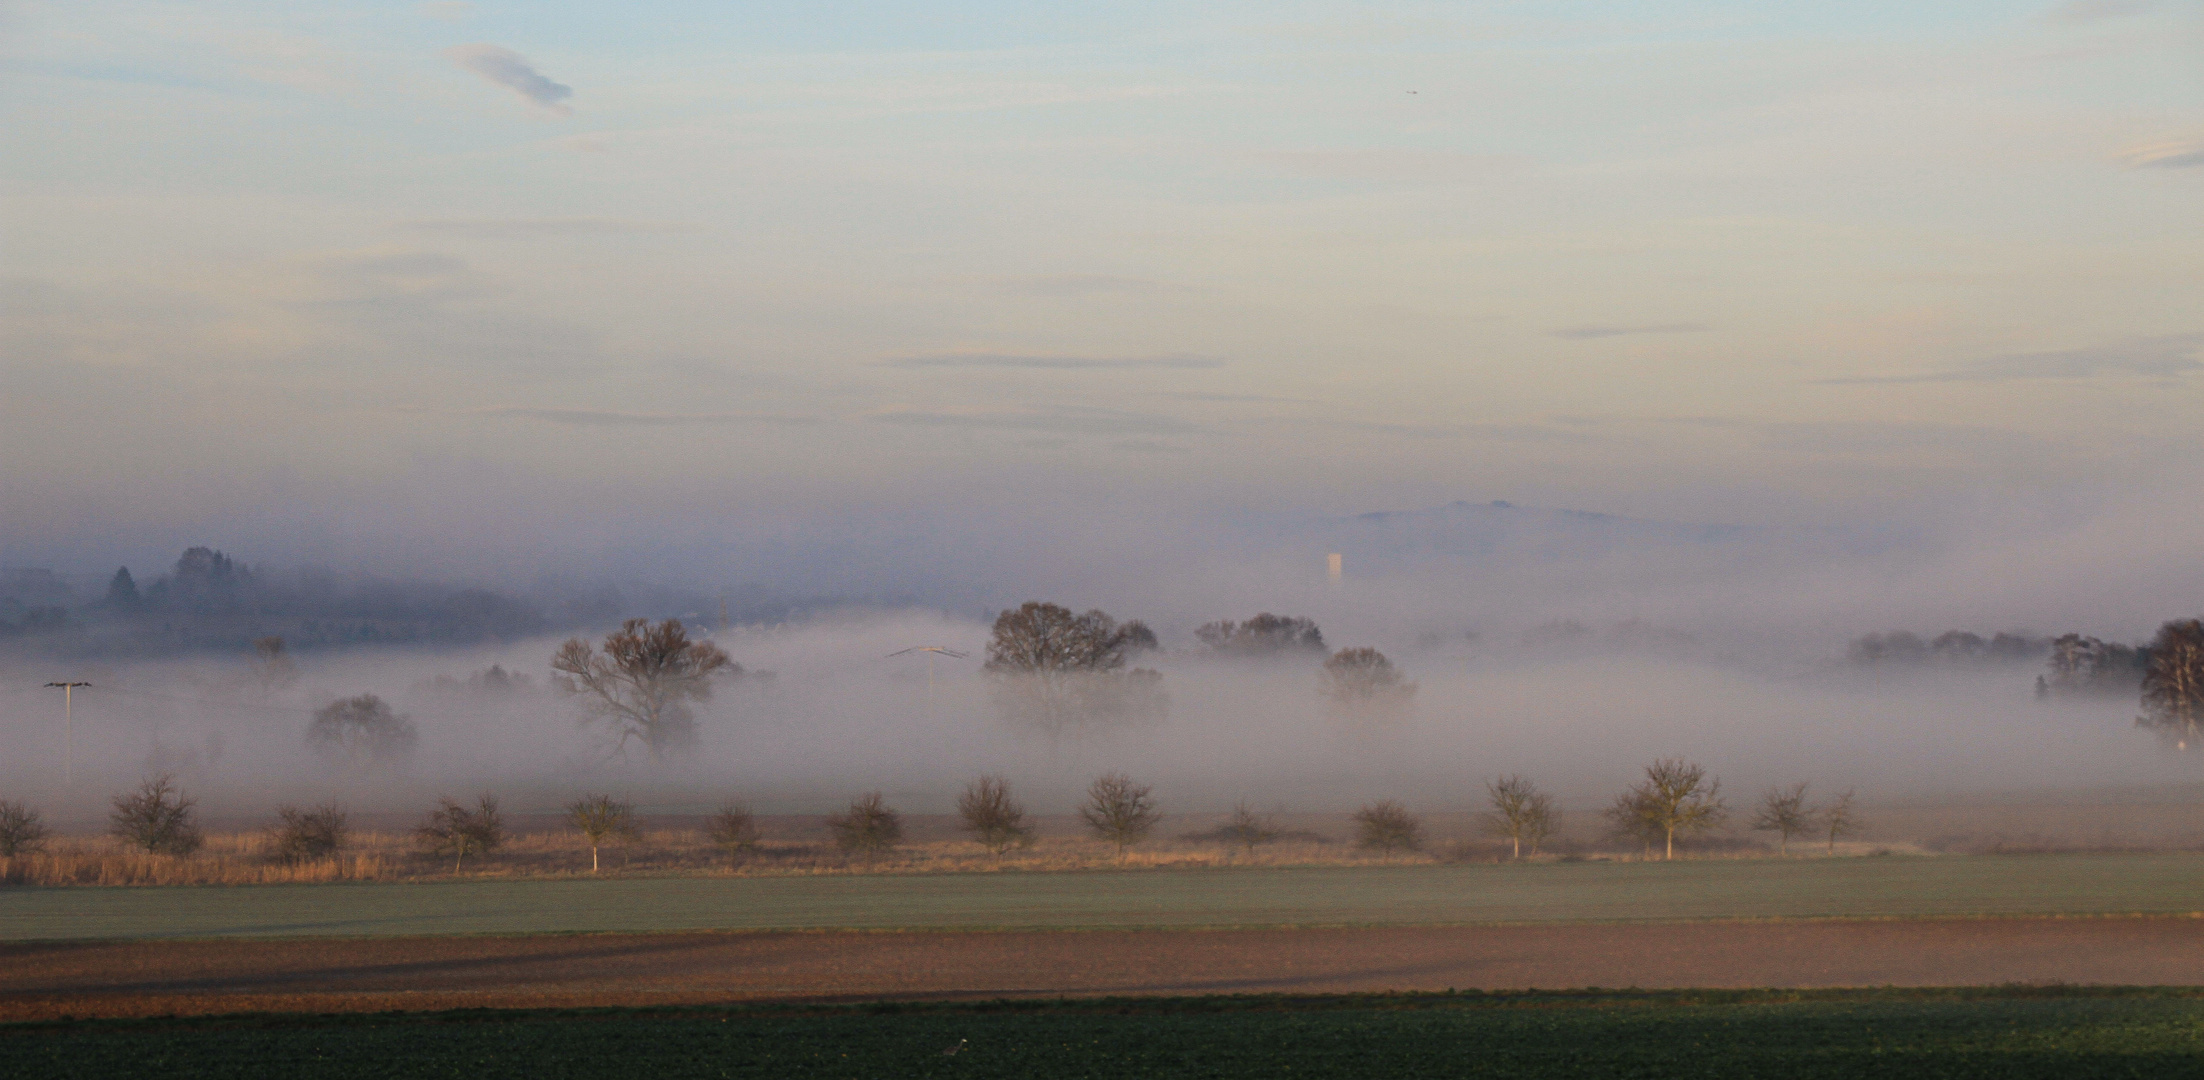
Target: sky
[[497, 288]]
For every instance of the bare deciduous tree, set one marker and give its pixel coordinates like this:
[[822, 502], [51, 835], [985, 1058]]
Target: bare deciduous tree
[[1629, 817], [1119, 811], [453, 828], [1387, 825], [362, 729], [599, 818], [734, 830], [1264, 635], [1675, 797], [992, 816], [157, 818], [1839, 819], [318, 833], [1520, 812], [2173, 684], [1248, 828], [272, 666], [642, 686], [22, 831], [1363, 680], [869, 827], [1783, 811], [1061, 672]]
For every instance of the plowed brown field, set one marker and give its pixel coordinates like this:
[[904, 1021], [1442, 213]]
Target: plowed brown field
[[41, 981]]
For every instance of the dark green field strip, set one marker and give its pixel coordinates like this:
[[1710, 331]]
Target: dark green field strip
[[2021, 1034], [1421, 895]]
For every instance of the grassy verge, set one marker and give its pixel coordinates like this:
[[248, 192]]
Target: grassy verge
[[2013, 1032]]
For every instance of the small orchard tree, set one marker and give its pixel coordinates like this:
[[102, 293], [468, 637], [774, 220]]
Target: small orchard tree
[[1362, 680], [454, 829], [2173, 683], [362, 729], [301, 835], [992, 816], [641, 687], [868, 827], [1119, 811], [733, 829], [22, 831], [1675, 797], [1631, 817], [1520, 812], [1387, 826], [1248, 828], [600, 818], [1839, 819], [1783, 811], [157, 818]]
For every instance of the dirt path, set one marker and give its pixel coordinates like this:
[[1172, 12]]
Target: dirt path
[[39, 981]]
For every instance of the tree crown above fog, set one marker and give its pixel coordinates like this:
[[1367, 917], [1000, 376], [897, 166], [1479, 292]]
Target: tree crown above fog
[[1264, 635], [641, 686], [1038, 637]]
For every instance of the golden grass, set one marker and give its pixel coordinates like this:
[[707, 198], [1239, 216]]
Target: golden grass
[[247, 859]]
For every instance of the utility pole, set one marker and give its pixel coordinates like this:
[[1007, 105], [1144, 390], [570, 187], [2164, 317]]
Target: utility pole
[[931, 652], [68, 731]]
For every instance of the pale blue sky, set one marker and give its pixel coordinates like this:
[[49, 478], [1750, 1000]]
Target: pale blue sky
[[326, 278]]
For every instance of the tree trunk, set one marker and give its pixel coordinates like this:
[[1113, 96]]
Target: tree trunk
[[592, 858], [1518, 838], [1671, 852]]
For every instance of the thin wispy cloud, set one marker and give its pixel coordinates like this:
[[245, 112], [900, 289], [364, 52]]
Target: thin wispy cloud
[[2155, 357], [2176, 154], [2088, 11], [1068, 421], [512, 71], [1050, 362], [1607, 330], [615, 418], [531, 227]]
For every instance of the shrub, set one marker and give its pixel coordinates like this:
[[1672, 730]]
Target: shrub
[[599, 818], [21, 830], [157, 818], [734, 829], [1388, 826], [869, 827], [992, 816], [457, 830], [1247, 828], [300, 835]]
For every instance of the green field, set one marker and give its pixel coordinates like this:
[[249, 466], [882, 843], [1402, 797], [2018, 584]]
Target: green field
[[2011, 1035], [1587, 891]]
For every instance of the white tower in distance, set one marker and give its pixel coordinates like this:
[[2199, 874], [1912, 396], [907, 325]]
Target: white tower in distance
[[1332, 567]]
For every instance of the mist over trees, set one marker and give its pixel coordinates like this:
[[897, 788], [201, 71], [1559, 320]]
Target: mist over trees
[[2173, 685], [1060, 673], [1264, 635], [1955, 647], [2079, 664], [643, 684], [362, 731], [1363, 681]]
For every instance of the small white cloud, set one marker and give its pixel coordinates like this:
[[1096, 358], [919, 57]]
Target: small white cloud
[[512, 71], [2176, 154]]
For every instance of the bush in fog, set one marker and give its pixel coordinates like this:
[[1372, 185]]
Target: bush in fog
[[733, 829], [641, 688], [1119, 811], [453, 829], [157, 818], [2173, 685], [1247, 828], [22, 831], [1363, 680], [301, 835], [1264, 635], [1783, 811], [868, 827], [272, 666], [1838, 819], [1520, 812], [599, 818], [362, 729], [995, 819], [1387, 826], [1061, 672], [1674, 797]]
